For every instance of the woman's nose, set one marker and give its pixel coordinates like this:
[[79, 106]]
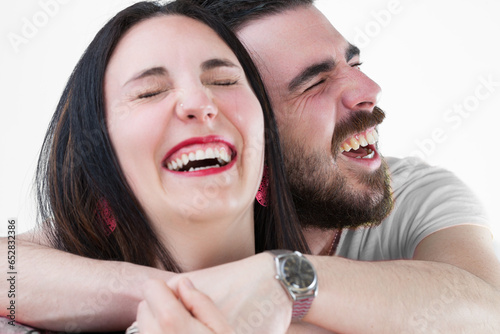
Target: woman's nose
[[196, 104]]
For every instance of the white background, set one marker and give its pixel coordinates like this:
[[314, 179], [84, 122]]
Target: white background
[[428, 56]]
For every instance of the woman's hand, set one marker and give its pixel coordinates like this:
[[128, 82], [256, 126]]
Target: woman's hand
[[247, 293], [186, 310]]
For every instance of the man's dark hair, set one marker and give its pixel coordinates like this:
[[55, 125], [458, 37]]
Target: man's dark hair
[[237, 13]]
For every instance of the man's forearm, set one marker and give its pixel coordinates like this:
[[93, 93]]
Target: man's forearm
[[402, 297], [61, 291], [64, 292]]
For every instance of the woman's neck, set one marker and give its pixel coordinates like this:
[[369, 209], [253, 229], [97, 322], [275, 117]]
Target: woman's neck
[[206, 244]]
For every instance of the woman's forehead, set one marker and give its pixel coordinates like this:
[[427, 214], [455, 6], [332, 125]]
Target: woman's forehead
[[174, 33], [169, 40]]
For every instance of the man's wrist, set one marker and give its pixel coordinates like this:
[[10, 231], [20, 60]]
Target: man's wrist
[[278, 296], [298, 278]]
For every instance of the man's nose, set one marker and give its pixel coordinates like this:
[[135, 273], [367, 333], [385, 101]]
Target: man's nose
[[361, 93], [196, 104]]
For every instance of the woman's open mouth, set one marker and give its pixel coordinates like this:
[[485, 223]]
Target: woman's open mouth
[[200, 154]]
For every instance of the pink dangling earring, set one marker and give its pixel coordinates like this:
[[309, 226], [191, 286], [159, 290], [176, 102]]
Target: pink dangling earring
[[261, 196], [104, 211]]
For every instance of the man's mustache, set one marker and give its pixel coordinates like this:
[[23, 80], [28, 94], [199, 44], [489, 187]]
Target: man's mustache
[[357, 122]]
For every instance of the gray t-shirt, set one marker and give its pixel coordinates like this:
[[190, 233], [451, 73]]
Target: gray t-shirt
[[427, 199]]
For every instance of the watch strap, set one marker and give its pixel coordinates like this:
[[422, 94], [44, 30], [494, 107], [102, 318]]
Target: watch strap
[[301, 307]]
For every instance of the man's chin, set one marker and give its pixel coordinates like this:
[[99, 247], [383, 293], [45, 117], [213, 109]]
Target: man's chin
[[337, 203]]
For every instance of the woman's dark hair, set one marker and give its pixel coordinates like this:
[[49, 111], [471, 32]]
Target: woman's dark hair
[[78, 174]]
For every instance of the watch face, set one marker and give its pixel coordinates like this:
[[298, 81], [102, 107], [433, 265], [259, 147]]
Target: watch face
[[298, 272]]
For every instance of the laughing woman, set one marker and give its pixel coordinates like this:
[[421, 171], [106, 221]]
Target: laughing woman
[[159, 145]]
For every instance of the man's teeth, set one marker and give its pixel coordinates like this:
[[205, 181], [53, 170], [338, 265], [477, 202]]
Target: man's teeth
[[360, 140], [370, 155], [222, 156]]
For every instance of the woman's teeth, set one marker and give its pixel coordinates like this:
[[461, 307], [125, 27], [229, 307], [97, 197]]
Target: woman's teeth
[[200, 159]]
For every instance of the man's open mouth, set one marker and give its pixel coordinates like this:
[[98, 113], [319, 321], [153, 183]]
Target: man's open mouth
[[361, 145], [200, 157]]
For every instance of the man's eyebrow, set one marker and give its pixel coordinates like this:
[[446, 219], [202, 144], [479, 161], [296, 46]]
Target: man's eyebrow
[[153, 71], [310, 72], [215, 63], [351, 52]]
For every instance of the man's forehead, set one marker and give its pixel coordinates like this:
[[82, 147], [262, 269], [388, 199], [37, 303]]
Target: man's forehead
[[292, 26], [287, 43]]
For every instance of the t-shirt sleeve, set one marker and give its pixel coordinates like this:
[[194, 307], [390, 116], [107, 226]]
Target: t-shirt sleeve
[[428, 199]]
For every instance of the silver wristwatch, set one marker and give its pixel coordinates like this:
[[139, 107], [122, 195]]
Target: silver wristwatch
[[298, 276]]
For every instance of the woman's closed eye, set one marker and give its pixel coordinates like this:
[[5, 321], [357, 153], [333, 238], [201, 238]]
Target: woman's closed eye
[[222, 76], [150, 94], [221, 80], [228, 82]]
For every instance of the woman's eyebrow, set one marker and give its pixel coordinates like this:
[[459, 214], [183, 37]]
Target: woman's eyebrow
[[153, 71], [215, 63], [162, 71]]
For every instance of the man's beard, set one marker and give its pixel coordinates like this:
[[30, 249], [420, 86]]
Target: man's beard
[[323, 196]]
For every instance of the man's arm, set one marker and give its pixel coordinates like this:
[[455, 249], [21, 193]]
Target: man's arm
[[65, 292], [451, 286]]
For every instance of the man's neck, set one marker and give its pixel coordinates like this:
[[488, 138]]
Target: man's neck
[[319, 240]]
